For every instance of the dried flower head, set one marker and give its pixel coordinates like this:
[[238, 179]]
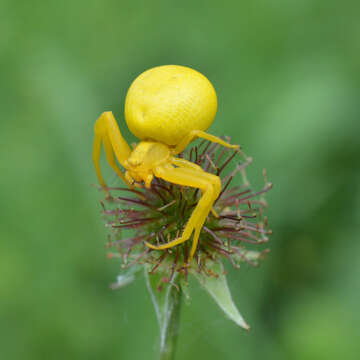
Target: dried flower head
[[158, 215]]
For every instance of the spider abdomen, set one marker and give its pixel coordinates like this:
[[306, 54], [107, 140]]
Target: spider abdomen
[[165, 103]]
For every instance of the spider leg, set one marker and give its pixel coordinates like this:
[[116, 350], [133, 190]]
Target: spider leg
[[195, 242], [210, 186], [185, 164], [107, 131], [188, 164], [201, 134]]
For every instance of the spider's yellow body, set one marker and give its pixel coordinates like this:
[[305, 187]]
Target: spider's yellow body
[[166, 107]]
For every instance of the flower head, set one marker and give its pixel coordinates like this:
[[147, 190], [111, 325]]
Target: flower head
[[233, 230]]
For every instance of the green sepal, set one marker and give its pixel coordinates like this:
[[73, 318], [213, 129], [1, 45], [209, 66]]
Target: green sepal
[[184, 286], [216, 285]]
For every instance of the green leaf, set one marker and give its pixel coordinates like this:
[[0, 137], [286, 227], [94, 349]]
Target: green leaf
[[218, 288], [166, 297]]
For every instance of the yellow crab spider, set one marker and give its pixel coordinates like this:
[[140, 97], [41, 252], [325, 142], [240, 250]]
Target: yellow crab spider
[[166, 107]]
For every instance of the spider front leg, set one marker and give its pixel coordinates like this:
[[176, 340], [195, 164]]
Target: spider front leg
[[201, 134], [210, 186], [107, 131]]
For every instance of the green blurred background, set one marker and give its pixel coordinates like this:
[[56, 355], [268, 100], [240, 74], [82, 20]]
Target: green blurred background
[[287, 74]]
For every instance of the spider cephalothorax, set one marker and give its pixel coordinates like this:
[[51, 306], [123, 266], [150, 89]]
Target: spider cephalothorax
[[166, 107]]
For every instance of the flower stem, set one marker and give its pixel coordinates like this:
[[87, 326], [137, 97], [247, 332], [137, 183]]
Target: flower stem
[[169, 333], [166, 298]]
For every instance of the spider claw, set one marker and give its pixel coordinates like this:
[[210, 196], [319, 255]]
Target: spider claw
[[151, 246], [168, 245]]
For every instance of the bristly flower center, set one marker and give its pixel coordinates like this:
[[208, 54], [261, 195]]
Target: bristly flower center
[[158, 215]]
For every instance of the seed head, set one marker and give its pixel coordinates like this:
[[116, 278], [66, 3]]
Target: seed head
[[159, 214]]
